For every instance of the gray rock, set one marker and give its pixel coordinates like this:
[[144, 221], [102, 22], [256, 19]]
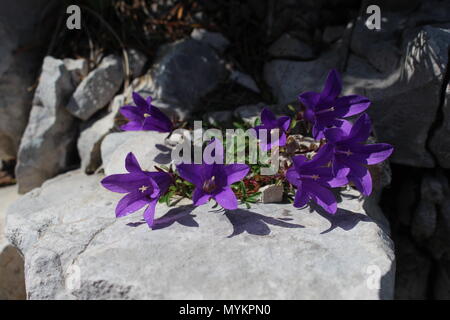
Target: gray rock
[[424, 221], [172, 82], [271, 193], [91, 137], [289, 47], [219, 118], [148, 147], [19, 65], [214, 39], [412, 271], [59, 231], [405, 104], [379, 47], [47, 144], [248, 114], [12, 279], [332, 33], [78, 68], [97, 89], [442, 282], [244, 80], [288, 79], [137, 61], [440, 141]]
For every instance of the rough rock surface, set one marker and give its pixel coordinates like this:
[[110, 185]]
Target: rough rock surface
[[148, 147], [18, 67], [97, 89], [92, 135], [290, 78], [289, 47], [171, 82], [75, 248], [47, 144], [214, 39], [405, 103], [440, 141], [12, 281]]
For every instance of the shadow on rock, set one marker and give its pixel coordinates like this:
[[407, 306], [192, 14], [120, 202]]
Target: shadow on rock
[[255, 223], [344, 219], [181, 214]]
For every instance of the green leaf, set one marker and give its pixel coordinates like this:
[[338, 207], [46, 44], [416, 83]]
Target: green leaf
[[292, 108], [293, 123]]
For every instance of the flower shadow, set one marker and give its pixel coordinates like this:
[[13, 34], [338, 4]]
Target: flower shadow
[[164, 156], [344, 219], [181, 214], [255, 223]]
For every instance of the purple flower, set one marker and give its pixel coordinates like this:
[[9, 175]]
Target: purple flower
[[214, 180], [141, 187], [270, 122], [313, 179], [350, 151], [145, 116], [325, 109]]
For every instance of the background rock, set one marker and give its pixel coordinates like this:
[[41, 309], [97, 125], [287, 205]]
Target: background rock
[[47, 145], [289, 47], [19, 68], [12, 281], [97, 89], [90, 139], [57, 229], [172, 81], [148, 147], [214, 39]]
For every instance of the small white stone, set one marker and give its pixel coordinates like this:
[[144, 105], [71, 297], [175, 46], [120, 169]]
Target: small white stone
[[271, 193]]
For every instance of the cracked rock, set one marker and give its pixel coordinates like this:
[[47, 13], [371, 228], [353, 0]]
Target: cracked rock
[[48, 143], [97, 89], [69, 224]]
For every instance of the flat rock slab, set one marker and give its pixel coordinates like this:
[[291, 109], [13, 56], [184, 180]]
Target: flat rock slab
[[75, 248]]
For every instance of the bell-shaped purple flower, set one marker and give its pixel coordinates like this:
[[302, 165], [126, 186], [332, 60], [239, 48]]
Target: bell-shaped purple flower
[[325, 109], [214, 180], [350, 151], [141, 187], [313, 179], [145, 116], [269, 123]]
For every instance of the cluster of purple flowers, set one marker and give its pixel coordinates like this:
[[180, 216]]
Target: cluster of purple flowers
[[342, 159]]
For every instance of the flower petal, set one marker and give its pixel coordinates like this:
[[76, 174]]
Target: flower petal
[[192, 173], [235, 172], [139, 101], [361, 129], [131, 163], [333, 86], [293, 177], [284, 123], [149, 213], [375, 153], [310, 99], [123, 183], [154, 124], [301, 198], [348, 106], [362, 179], [322, 196], [199, 197], [132, 126], [130, 203], [131, 113], [268, 118], [162, 179], [227, 199]]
